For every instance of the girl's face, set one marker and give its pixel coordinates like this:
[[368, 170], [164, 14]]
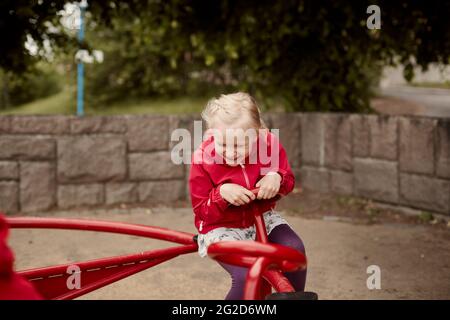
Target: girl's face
[[234, 143]]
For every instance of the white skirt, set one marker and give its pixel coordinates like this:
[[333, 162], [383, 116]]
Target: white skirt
[[271, 218]]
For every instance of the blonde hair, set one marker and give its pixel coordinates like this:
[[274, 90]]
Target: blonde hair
[[228, 108]]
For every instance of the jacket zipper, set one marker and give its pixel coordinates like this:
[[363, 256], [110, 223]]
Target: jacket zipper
[[247, 182], [245, 176]]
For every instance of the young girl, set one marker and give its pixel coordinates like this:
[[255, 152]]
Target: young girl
[[225, 168]]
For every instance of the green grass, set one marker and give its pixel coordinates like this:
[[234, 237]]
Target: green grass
[[64, 103], [160, 106], [56, 104]]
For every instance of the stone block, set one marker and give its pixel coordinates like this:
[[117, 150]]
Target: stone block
[[121, 193], [417, 145], [425, 192], [98, 124], [383, 137], [161, 191], [443, 149], [37, 186], [57, 124], [9, 197], [148, 133], [289, 125], [341, 182], [91, 158], [315, 179], [376, 179], [360, 135], [9, 170], [338, 143], [5, 124], [312, 137], [70, 196], [153, 166], [26, 147]]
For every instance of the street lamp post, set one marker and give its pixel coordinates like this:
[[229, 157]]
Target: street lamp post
[[80, 66]]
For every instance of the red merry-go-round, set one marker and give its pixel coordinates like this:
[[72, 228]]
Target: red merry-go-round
[[265, 261]]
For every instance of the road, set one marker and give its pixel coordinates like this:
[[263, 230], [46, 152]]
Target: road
[[432, 102]]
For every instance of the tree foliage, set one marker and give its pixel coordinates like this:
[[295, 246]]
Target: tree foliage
[[37, 82], [313, 55]]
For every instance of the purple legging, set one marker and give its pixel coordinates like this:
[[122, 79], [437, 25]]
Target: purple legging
[[281, 234]]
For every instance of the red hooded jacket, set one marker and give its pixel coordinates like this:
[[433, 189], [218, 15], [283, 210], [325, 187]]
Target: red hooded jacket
[[210, 209]]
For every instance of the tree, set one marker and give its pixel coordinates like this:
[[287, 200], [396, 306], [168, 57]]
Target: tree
[[313, 55], [37, 82]]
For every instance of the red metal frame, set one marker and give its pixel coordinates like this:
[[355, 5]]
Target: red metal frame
[[51, 282], [266, 261]]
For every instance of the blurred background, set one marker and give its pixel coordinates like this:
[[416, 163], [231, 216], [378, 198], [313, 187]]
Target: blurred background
[[171, 56]]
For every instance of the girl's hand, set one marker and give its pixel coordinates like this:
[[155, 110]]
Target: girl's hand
[[269, 185], [235, 194]]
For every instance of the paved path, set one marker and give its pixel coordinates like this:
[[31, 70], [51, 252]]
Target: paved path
[[431, 101], [414, 260]]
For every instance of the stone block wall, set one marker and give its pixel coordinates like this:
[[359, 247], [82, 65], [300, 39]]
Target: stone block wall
[[63, 162], [49, 162], [397, 160]]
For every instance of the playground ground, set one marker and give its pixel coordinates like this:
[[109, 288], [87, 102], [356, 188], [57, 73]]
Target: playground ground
[[342, 237]]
